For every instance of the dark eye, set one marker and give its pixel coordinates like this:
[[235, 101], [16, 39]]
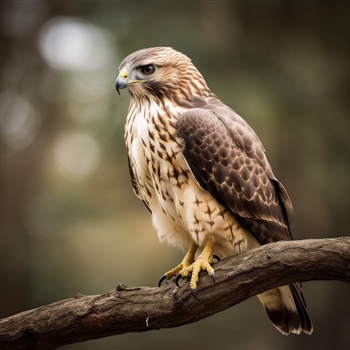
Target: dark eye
[[149, 69]]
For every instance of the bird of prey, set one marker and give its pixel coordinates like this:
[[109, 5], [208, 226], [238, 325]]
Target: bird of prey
[[204, 175]]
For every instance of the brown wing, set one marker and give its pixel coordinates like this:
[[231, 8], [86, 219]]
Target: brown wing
[[228, 160]]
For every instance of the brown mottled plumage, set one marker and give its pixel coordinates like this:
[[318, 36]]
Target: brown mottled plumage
[[203, 173]]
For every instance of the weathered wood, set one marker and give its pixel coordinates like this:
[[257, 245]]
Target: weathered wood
[[125, 310]]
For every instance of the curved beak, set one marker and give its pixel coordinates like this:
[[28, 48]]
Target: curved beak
[[120, 83]]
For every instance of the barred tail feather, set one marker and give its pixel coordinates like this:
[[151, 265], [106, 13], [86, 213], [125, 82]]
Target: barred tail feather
[[286, 309], [300, 304]]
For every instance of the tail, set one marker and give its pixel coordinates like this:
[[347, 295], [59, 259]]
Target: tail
[[287, 309]]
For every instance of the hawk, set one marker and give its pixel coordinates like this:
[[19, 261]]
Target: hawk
[[204, 175]]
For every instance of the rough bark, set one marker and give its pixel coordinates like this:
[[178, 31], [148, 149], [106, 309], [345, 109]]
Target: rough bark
[[125, 310]]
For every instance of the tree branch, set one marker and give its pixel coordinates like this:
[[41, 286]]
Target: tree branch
[[142, 309]]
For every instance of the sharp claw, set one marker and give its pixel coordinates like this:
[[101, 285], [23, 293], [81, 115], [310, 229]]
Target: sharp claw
[[213, 276], [194, 293], [162, 279], [177, 278], [216, 257]]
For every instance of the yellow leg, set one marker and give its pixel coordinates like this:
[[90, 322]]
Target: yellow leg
[[202, 263], [186, 261]]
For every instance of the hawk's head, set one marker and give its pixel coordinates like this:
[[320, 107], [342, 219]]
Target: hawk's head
[[161, 72]]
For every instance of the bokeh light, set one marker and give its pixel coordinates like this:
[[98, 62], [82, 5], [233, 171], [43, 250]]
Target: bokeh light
[[72, 44], [19, 120], [77, 155]]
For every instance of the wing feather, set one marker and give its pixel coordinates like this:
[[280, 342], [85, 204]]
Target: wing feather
[[228, 160]]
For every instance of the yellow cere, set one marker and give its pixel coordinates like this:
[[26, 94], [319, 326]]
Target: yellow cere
[[123, 74]]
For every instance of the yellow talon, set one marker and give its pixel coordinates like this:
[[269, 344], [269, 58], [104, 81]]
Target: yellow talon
[[202, 263], [186, 261], [190, 265]]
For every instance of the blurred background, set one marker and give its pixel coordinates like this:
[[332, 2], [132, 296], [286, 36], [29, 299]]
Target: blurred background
[[70, 222]]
